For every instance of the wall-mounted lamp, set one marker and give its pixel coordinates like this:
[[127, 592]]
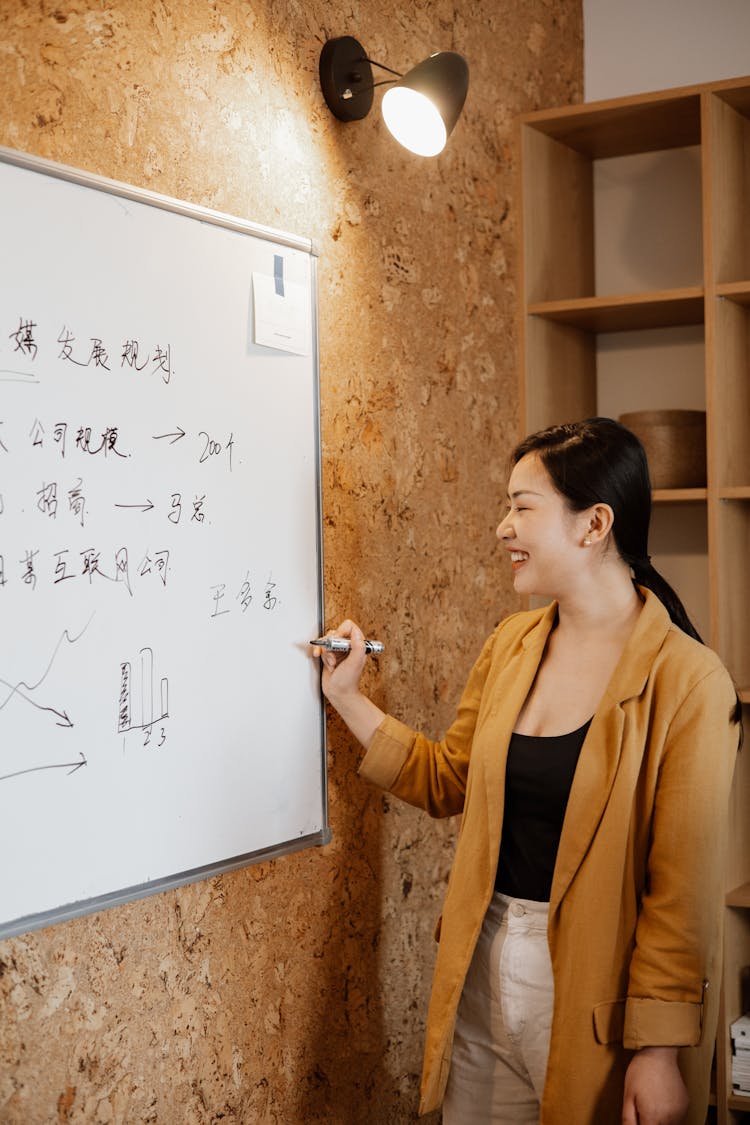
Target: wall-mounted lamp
[[420, 108]]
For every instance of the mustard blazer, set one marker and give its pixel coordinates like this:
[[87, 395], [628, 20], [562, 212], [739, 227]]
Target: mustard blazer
[[635, 922]]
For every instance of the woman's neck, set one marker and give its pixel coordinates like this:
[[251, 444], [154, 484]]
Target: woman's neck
[[607, 605]]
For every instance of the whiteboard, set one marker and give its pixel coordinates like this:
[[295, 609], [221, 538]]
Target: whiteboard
[[160, 544]]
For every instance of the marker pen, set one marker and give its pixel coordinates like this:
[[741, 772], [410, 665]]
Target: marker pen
[[341, 644]]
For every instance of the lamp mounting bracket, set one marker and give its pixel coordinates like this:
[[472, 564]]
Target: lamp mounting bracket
[[346, 78]]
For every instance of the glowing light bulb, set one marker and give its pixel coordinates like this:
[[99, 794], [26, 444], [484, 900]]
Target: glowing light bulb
[[414, 121]]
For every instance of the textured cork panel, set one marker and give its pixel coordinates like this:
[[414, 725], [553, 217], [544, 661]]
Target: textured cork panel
[[294, 992]]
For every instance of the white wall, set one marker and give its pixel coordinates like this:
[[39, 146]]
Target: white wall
[[632, 46]]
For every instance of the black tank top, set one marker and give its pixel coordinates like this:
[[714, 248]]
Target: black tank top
[[538, 777]]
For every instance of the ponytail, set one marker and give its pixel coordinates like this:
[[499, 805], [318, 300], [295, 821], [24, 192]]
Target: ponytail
[[645, 574]]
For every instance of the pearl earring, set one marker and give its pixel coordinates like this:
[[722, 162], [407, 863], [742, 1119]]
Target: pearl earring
[[587, 542]]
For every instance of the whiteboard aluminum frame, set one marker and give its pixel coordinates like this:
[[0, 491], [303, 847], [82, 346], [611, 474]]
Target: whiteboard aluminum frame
[[282, 238]]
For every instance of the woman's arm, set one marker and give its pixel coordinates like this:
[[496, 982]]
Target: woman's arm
[[340, 683], [677, 953], [430, 775]]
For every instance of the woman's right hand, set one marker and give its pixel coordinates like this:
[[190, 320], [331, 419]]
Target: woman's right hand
[[340, 682], [343, 671]]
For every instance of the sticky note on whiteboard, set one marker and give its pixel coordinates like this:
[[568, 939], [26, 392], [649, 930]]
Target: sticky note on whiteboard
[[281, 314]]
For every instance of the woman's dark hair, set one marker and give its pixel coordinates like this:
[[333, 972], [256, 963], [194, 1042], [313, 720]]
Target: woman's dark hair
[[599, 461]]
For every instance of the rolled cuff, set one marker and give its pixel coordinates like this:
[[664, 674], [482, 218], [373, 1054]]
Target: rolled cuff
[[662, 1023], [387, 753]]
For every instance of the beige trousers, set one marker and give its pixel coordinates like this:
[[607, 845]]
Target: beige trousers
[[504, 1018]]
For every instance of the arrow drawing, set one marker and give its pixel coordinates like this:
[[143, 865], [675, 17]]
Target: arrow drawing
[[63, 719], [179, 433], [71, 767], [144, 507]]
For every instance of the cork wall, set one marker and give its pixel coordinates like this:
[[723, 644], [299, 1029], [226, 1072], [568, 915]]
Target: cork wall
[[294, 992]]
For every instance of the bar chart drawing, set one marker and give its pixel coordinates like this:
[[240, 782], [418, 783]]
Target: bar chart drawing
[[137, 704]]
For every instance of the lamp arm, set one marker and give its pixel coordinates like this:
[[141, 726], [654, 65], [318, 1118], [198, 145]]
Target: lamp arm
[[382, 66]]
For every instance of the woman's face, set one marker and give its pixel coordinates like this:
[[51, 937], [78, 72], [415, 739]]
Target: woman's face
[[543, 537]]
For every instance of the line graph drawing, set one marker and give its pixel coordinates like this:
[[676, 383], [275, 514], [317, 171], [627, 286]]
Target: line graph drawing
[[25, 690], [63, 719]]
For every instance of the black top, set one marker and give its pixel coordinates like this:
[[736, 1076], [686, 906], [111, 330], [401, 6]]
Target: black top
[[538, 777]]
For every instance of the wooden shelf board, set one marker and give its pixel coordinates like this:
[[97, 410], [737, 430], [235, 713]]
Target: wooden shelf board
[[738, 95], [737, 1101], [737, 291], [639, 122], [678, 495], [621, 126], [664, 309], [741, 492], [740, 896]]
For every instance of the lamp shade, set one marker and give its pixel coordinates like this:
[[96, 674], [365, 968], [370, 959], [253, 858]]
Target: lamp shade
[[421, 109]]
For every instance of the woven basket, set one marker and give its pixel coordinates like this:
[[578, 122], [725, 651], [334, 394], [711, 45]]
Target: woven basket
[[675, 444]]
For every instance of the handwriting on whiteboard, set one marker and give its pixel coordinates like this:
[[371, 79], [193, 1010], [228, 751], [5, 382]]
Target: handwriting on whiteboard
[[77, 446], [82, 520], [94, 353]]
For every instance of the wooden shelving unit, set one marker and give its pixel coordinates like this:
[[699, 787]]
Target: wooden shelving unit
[[570, 322]]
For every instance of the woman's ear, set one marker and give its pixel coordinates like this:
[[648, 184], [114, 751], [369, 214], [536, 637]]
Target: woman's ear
[[598, 522]]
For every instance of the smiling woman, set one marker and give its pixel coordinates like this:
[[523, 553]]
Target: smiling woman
[[591, 758]]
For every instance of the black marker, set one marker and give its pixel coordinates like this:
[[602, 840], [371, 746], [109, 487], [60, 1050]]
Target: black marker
[[341, 644]]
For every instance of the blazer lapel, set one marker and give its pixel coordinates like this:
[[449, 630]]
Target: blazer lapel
[[509, 695], [600, 754]]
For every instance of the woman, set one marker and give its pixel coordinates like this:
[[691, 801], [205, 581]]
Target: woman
[[577, 974]]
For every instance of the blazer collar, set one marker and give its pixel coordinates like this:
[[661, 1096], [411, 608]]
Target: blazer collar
[[648, 636], [634, 665]]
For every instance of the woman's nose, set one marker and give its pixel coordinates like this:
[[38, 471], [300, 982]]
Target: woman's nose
[[504, 529]]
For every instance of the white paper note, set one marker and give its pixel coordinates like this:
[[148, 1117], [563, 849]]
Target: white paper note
[[281, 322]]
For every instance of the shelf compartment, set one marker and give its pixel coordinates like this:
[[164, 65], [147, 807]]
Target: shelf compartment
[[678, 545], [666, 309], [732, 393], [733, 590], [648, 222], [730, 185], [557, 206], [736, 946], [653, 369], [738, 291], [621, 126], [561, 374], [567, 153]]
